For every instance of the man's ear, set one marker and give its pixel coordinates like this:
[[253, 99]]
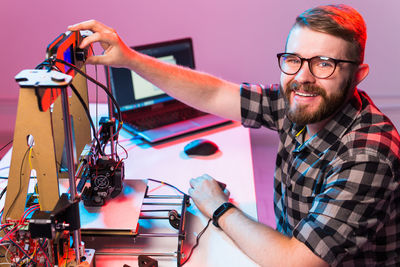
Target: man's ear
[[361, 72]]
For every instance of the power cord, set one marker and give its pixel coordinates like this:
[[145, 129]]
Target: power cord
[[200, 233], [50, 62], [20, 182], [88, 116], [106, 90], [3, 192], [6, 145], [197, 241], [170, 185]]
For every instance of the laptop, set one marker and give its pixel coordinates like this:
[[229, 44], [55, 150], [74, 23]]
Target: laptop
[[149, 112]]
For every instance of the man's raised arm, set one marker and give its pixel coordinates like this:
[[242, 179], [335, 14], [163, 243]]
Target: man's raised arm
[[197, 89]]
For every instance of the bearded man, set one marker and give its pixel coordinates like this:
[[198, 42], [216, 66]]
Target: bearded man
[[337, 169]]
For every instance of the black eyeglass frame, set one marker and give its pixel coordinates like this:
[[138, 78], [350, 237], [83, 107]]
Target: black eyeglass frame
[[336, 61]]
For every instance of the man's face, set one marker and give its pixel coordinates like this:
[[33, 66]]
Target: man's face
[[311, 99]]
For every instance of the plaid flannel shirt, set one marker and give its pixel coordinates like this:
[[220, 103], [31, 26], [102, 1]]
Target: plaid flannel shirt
[[338, 192]]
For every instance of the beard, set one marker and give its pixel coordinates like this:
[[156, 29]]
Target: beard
[[299, 114]]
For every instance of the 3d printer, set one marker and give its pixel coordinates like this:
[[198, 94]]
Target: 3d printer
[[38, 227], [47, 115]]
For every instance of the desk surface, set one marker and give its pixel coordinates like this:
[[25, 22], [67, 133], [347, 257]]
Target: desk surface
[[167, 162]]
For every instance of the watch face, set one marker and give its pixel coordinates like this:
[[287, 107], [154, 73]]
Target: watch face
[[220, 211]]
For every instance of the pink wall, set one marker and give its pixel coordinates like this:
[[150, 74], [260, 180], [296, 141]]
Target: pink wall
[[236, 40]]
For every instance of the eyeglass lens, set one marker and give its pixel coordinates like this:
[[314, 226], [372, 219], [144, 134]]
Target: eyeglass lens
[[320, 67]]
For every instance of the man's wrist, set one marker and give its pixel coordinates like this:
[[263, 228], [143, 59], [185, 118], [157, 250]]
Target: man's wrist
[[221, 210]]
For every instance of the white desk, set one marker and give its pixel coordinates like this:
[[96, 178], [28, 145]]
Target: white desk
[[167, 162]]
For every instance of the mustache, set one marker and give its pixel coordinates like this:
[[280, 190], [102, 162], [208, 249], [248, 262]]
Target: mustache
[[307, 88]]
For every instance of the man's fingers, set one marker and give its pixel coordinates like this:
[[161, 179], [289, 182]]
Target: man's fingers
[[96, 60], [104, 38], [99, 60], [206, 176], [190, 191], [100, 32], [226, 192], [95, 37], [92, 25], [194, 182]]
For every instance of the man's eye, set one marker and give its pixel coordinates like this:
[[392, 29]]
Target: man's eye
[[292, 60], [325, 64]]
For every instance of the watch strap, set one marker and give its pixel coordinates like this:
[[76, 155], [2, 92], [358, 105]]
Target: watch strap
[[220, 211]]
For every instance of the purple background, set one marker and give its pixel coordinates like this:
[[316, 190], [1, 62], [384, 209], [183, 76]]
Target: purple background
[[235, 40]]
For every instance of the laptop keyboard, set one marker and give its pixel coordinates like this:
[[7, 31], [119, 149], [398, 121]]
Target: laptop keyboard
[[165, 118]]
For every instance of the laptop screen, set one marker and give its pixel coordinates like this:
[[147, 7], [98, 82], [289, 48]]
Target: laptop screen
[[132, 92]]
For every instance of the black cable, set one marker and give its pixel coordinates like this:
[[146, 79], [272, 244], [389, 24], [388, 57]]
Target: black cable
[[84, 107], [88, 116], [197, 241], [106, 90], [47, 260], [20, 183], [126, 152], [108, 78], [97, 91], [170, 185], [19, 247], [42, 65], [97, 84], [48, 65], [200, 233], [6, 145], [52, 60], [22, 259], [4, 226], [3, 192]]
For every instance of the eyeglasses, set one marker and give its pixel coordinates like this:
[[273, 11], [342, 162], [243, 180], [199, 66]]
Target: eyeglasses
[[321, 67]]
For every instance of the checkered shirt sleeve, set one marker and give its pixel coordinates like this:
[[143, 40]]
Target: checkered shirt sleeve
[[262, 106]]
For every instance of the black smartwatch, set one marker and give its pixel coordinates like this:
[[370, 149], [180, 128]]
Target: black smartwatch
[[220, 211]]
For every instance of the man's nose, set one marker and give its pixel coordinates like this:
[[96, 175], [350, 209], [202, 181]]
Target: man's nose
[[304, 75]]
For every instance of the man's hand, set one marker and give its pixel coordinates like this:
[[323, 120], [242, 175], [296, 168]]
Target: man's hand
[[197, 89], [116, 52], [207, 194]]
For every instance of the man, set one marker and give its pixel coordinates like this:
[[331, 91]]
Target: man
[[337, 169]]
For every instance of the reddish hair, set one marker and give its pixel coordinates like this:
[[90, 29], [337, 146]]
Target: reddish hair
[[338, 20]]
